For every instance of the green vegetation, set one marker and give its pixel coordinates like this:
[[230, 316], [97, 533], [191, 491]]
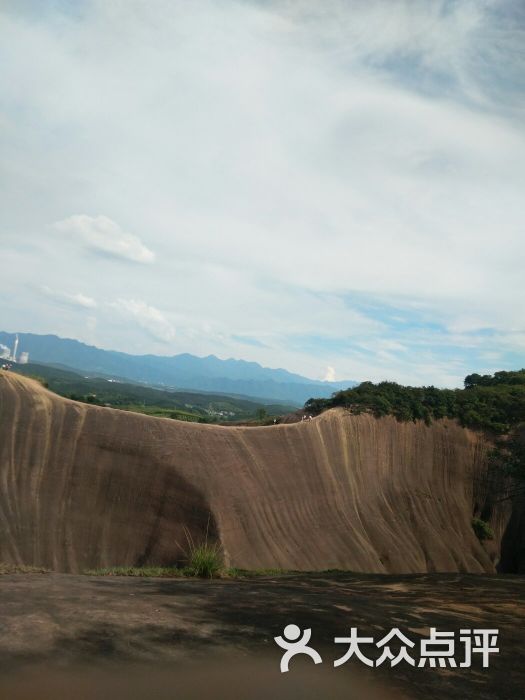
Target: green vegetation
[[205, 563], [21, 569], [152, 401], [492, 403], [186, 571], [482, 529], [205, 560], [515, 378], [139, 571], [39, 379]]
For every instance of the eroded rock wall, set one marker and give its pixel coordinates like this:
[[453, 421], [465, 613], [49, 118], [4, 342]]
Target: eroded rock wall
[[83, 486]]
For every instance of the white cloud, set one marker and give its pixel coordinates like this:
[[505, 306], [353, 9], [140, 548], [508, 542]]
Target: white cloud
[[73, 299], [101, 234], [280, 158], [146, 316]]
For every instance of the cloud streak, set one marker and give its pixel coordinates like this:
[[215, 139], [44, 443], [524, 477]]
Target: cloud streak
[[104, 236], [147, 317], [76, 299]]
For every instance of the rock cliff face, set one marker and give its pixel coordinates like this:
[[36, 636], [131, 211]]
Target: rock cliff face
[[83, 486]]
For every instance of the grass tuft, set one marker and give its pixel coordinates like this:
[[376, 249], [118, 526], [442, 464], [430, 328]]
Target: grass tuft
[[21, 569], [204, 558]]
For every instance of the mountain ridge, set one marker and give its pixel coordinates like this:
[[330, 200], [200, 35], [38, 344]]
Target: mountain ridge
[[180, 371]]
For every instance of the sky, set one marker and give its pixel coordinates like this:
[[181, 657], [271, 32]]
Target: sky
[[336, 188]]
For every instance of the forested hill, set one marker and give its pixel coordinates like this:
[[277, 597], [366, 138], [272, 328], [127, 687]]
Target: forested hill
[[494, 403]]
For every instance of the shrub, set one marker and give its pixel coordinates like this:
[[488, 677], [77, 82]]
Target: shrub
[[482, 529]]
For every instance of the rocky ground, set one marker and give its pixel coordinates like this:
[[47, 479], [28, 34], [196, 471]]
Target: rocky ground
[[64, 636]]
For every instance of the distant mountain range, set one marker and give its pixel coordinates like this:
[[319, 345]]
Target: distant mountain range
[[209, 374]]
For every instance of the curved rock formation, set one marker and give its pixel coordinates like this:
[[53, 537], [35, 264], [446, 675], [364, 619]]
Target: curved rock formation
[[84, 486]]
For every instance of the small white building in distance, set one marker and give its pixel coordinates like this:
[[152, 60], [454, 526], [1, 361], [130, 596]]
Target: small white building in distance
[[15, 349]]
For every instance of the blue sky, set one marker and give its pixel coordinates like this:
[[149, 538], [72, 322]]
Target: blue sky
[[335, 188]]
